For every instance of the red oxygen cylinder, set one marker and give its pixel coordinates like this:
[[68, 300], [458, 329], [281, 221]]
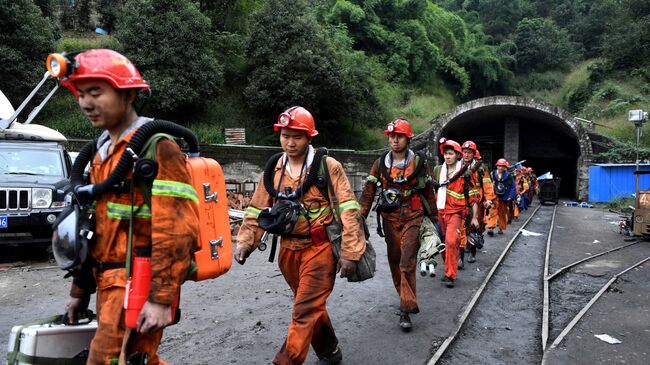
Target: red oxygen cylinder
[[416, 203], [137, 291]]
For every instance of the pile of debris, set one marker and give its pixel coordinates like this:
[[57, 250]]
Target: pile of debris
[[237, 203]]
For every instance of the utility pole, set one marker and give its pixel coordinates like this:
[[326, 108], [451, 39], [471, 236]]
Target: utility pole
[[638, 117]]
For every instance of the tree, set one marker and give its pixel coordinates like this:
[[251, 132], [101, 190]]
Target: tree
[[171, 44], [293, 62], [628, 35], [83, 10], [110, 11], [542, 45], [26, 38]]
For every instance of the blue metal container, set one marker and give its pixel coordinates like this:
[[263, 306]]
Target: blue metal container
[[611, 181]]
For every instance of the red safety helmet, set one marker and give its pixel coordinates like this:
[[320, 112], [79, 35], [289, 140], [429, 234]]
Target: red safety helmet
[[400, 126], [444, 142], [297, 118], [503, 162], [104, 64], [471, 145]]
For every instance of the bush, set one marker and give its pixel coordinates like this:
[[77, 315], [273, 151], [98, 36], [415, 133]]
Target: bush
[[72, 42]]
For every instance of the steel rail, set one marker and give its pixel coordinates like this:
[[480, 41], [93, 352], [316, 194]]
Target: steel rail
[[565, 268], [547, 257], [584, 310], [470, 306]]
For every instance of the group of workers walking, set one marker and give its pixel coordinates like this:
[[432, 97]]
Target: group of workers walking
[[301, 193]]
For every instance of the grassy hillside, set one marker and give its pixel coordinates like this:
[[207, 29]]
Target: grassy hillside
[[591, 90]]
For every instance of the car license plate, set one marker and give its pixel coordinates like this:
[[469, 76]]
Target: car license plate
[[4, 221]]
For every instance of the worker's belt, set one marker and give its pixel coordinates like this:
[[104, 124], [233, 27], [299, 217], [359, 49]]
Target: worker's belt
[[103, 266], [300, 236]]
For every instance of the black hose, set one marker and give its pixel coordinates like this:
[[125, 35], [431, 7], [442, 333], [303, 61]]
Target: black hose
[[416, 170], [125, 164], [80, 163], [269, 170]]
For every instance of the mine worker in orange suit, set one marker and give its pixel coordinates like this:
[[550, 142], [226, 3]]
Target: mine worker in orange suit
[[457, 196], [505, 191], [481, 175], [522, 188], [306, 257], [406, 196], [105, 84]]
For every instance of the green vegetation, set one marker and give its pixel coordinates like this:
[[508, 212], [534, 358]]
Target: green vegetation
[[355, 64]]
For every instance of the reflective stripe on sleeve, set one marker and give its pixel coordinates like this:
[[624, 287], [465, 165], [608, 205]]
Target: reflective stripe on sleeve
[[487, 180], [123, 211], [174, 189], [350, 204], [372, 179], [252, 211]]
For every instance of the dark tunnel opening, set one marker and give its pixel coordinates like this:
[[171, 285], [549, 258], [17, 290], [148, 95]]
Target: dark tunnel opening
[[543, 140]]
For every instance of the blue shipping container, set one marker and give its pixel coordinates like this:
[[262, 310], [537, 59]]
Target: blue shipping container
[[610, 181]]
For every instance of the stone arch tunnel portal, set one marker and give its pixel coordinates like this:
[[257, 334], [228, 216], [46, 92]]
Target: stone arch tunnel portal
[[516, 128]]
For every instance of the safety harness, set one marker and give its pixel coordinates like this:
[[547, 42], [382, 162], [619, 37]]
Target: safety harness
[[282, 217], [390, 199]]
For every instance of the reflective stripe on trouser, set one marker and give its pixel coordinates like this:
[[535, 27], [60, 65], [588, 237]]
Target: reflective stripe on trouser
[[310, 273], [451, 226], [110, 331], [402, 245]]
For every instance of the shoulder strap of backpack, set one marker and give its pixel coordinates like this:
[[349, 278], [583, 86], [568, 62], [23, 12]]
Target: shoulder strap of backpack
[[328, 191], [149, 151]]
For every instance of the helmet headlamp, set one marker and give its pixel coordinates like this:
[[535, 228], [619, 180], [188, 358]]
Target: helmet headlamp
[[284, 119], [57, 65], [390, 127]]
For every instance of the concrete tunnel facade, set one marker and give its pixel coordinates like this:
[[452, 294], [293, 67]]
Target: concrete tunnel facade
[[519, 128]]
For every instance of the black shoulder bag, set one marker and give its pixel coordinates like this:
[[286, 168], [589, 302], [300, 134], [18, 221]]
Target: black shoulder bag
[[366, 266]]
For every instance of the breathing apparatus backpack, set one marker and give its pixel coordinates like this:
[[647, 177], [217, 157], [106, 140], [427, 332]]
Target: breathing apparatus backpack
[[500, 188], [73, 232]]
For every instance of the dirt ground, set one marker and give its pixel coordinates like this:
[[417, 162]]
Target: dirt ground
[[242, 317]]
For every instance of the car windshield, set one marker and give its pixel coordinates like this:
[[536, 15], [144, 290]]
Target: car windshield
[[25, 161]]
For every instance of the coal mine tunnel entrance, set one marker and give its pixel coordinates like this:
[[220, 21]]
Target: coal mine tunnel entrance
[[515, 133]]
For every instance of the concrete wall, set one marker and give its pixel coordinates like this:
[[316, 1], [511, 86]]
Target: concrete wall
[[245, 164]]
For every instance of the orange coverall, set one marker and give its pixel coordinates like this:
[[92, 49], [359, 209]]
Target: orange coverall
[[402, 226], [522, 188], [503, 205], [485, 189], [308, 269], [168, 228], [451, 218]]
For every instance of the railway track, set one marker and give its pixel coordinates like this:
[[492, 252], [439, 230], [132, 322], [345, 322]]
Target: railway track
[[512, 310]]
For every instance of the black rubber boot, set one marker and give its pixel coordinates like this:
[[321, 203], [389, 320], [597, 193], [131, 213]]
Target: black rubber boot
[[490, 232], [405, 322], [461, 259], [332, 359], [472, 255]]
